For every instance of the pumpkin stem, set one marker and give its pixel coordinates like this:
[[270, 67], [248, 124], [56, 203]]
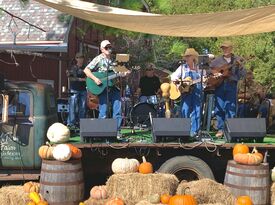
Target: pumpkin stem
[[143, 159], [48, 144], [186, 188]]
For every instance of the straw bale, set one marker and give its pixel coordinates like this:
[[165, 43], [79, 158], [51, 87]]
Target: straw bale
[[143, 202], [272, 194], [207, 191], [13, 195], [91, 201], [135, 187]]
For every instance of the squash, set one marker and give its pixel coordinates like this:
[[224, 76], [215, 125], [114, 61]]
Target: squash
[[182, 200], [164, 198], [98, 192], [62, 152], [76, 153], [123, 166], [81, 203], [31, 203], [46, 151], [145, 167], [240, 148], [115, 201], [31, 187], [248, 159], [34, 197], [244, 200], [42, 203], [58, 133]]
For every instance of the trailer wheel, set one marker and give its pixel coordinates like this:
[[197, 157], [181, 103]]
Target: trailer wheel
[[187, 168]]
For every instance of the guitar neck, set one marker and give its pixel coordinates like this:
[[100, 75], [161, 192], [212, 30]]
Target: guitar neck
[[112, 76]]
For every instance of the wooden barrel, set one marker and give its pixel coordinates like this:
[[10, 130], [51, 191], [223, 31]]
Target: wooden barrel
[[61, 183], [253, 181]]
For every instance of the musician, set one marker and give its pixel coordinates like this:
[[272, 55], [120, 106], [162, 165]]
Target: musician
[[149, 85], [249, 96], [78, 93], [226, 92], [103, 63], [191, 102]]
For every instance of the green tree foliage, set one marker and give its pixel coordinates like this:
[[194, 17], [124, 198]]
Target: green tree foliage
[[258, 50]]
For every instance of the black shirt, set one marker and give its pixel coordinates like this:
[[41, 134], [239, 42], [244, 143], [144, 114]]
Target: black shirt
[[77, 72], [149, 85]]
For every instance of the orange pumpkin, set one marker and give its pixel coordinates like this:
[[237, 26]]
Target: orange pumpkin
[[31, 203], [115, 201], [76, 153], [42, 203], [164, 199], [248, 159], [244, 200], [182, 200], [46, 151], [98, 192], [240, 148], [145, 167]]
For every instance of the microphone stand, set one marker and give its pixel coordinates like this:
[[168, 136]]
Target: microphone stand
[[203, 135]]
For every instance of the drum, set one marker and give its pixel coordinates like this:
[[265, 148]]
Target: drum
[[153, 99], [140, 114]]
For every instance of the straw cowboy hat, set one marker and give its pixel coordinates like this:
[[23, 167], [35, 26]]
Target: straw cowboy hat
[[191, 52]]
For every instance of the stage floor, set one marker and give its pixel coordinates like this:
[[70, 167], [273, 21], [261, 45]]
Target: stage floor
[[144, 136]]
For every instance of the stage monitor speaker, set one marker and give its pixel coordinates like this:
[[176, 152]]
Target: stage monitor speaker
[[97, 129], [245, 129], [164, 128]]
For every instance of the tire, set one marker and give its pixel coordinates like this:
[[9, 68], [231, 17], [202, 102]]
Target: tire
[[193, 165]]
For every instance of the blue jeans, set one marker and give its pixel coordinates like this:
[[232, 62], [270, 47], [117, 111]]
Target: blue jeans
[[77, 107], [191, 108], [225, 102], [114, 99]]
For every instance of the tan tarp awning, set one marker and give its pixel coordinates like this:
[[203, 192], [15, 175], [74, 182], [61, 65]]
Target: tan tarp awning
[[231, 23]]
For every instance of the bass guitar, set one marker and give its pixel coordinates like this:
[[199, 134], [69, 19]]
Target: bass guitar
[[98, 89]]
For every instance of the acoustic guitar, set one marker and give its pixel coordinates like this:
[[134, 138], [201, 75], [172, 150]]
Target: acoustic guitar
[[98, 89], [219, 74], [182, 86]]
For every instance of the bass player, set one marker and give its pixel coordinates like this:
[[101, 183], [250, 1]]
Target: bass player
[[102, 64], [226, 92], [191, 101]]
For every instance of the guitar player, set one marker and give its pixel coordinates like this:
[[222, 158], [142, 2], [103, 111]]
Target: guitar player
[[103, 63], [226, 92], [191, 102]]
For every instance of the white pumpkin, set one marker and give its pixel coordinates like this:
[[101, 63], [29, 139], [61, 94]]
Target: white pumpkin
[[62, 152], [125, 165], [58, 133]]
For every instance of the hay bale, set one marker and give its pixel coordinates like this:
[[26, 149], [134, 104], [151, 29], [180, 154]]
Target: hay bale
[[91, 201], [272, 194], [13, 195], [135, 187], [207, 191], [143, 202], [212, 204]]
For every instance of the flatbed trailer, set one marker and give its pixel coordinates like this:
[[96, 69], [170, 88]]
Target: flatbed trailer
[[188, 161]]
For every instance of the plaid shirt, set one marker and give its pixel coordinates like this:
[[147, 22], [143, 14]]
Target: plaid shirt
[[100, 64]]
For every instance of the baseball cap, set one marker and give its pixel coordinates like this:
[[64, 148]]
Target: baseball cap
[[226, 44], [104, 43]]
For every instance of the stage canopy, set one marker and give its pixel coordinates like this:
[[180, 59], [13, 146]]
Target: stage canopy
[[230, 23]]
